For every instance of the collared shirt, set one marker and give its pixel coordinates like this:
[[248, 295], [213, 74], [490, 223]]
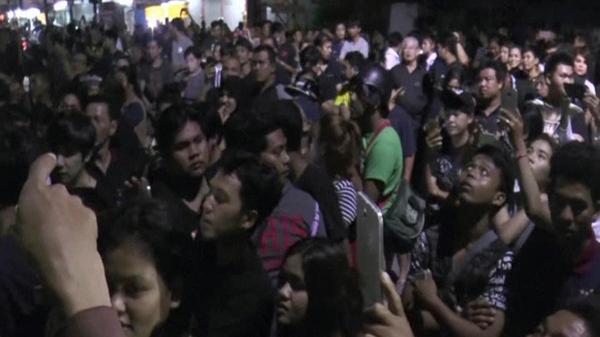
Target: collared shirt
[[361, 45], [414, 99], [392, 58]]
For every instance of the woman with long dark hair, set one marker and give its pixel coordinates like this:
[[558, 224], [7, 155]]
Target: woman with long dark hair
[[319, 295]]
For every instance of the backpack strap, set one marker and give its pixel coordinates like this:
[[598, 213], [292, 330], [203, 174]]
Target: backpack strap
[[382, 125]]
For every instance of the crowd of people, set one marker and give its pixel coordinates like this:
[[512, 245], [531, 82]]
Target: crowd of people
[[201, 181]]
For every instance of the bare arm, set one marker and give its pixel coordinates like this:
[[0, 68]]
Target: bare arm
[[462, 327], [373, 189], [409, 163]]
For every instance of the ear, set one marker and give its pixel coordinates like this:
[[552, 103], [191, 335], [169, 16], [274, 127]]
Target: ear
[[547, 78], [249, 220], [499, 199], [113, 127]]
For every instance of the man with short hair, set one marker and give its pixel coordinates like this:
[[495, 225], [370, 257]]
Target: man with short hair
[[297, 215], [264, 71], [491, 84], [157, 72], [329, 72], [232, 292], [356, 41], [231, 67], [562, 119], [563, 261], [179, 44], [243, 51], [392, 54]]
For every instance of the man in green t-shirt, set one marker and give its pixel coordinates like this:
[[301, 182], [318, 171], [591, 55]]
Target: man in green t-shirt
[[383, 159]]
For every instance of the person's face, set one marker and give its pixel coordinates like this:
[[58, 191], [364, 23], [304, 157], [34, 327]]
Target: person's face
[[153, 50], [276, 154], [340, 31], [137, 291], [105, 127], [427, 46], [542, 87], [454, 85], [457, 122], [562, 323], [263, 68], [217, 31], [504, 54], [489, 86], [494, 49], [514, 58], [123, 63], [231, 68], [70, 103], [222, 211], [581, 66], [193, 63], [243, 54], [480, 182], [326, 50], [563, 74], [349, 70], [354, 32], [530, 61], [79, 63], [190, 150], [540, 153], [298, 37], [68, 167], [292, 299], [572, 209], [410, 50], [229, 104]]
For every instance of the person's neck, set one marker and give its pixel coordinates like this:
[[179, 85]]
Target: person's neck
[[298, 164], [356, 38], [157, 62], [492, 105], [268, 83], [104, 157], [473, 222], [555, 99], [459, 140], [411, 66], [246, 69]]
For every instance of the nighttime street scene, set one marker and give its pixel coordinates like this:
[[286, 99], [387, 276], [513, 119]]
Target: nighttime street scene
[[299, 168]]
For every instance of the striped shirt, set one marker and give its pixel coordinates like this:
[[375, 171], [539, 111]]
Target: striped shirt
[[347, 200]]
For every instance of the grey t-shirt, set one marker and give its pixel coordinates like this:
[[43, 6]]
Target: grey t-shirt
[[178, 48]]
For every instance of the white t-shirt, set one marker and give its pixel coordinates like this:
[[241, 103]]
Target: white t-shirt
[[392, 58], [361, 46]]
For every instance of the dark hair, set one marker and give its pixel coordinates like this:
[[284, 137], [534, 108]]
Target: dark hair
[[455, 73], [178, 24], [269, 50], [248, 131], [277, 27], [309, 57], [321, 39], [449, 42], [171, 121], [334, 296], [578, 162], [503, 162], [244, 43], [260, 186], [354, 23], [289, 118], [555, 60], [499, 69], [394, 39], [113, 103], [356, 59], [18, 149], [339, 141], [193, 50], [536, 50], [546, 138], [588, 309], [585, 52], [72, 133]]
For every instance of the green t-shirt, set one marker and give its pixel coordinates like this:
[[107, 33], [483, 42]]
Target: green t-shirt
[[385, 163]]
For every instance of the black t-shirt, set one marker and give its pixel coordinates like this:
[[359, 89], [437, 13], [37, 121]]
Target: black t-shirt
[[316, 182], [328, 81]]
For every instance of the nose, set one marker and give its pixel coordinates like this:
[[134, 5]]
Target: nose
[[208, 204], [284, 292], [60, 160], [285, 157], [118, 303], [566, 215]]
